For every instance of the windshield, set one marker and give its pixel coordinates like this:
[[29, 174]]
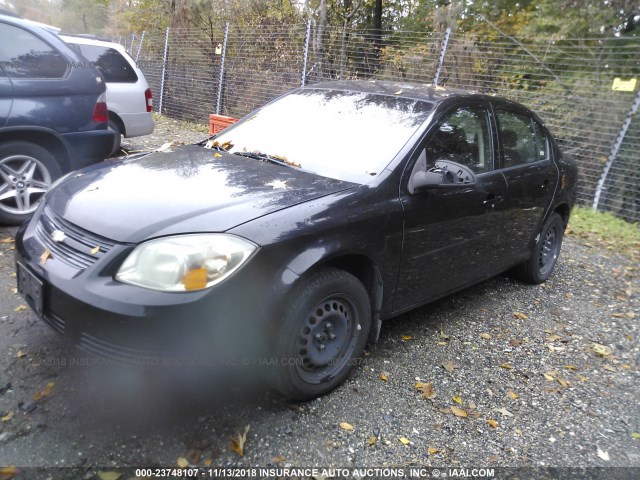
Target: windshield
[[350, 136]]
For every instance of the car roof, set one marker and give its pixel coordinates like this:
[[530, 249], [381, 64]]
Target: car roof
[[86, 40], [16, 20], [414, 91]]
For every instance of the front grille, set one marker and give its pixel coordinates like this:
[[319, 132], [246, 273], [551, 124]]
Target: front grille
[[76, 247], [93, 345]]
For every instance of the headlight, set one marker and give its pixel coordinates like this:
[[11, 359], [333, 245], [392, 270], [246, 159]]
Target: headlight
[[185, 262]]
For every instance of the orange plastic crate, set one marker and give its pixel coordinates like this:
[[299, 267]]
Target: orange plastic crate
[[219, 122]]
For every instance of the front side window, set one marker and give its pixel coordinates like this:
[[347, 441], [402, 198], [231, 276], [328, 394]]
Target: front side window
[[519, 144], [463, 137], [114, 67], [23, 55]]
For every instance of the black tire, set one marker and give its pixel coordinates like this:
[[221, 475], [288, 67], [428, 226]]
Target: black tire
[[26, 173], [324, 329], [117, 141], [544, 256]]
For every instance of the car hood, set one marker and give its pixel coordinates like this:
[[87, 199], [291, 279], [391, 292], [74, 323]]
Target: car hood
[[191, 189]]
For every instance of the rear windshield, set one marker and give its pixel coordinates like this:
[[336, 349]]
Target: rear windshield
[[114, 67], [350, 136]]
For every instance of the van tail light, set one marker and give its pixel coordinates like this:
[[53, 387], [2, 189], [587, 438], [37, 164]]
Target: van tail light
[[149, 99], [100, 112]]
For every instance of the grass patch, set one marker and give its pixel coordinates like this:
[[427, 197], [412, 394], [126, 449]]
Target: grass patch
[[605, 229]]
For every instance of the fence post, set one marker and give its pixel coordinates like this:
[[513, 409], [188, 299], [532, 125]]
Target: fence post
[[140, 46], [615, 149], [305, 55], [164, 68], [133, 39], [443, 50], [222, 59]]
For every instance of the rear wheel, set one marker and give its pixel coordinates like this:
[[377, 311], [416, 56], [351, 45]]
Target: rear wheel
[[545, 253], [323, 333], [26, 173]]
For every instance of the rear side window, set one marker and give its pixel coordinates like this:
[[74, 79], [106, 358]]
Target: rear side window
[[114, 67], [542, 142], [519, 144], [23, 55]]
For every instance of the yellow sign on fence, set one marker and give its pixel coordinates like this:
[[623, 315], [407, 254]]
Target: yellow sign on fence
[[620, 85]]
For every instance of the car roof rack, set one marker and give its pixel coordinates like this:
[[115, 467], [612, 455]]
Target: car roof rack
[[88, 36]]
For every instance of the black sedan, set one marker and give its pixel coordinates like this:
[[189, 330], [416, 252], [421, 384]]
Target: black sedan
[[286, 240]]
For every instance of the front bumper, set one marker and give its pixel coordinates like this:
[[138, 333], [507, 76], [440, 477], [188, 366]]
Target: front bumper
[[231, 322]]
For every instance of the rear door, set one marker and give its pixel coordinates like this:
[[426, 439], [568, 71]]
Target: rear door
[[451, 235], [531, 177], [6, 88]]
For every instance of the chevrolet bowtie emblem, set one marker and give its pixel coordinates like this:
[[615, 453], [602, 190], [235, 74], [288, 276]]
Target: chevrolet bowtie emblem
[[58, 235]]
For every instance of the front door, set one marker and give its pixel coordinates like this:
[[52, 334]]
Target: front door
[[451, 234]]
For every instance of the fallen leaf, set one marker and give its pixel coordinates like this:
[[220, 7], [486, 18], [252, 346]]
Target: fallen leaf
[[635, 435], [43, 393], [238, 440], [427, 390], [504, 412], [95, 250], [443, 335], [552, 338], [46, 255], [513, 395], [208, 462], [515, 343], [432, 450], [20, 308], [7, 417], [601, 350], [603, 455], [458, 400], [20, 354], [630, 314], [609, 368], [398, 92], [184, 463], [520, 315], [7, 240], [486, 336], [492, 423], [449, 366], [582, 378], [458, 412], [404, 440], [407, 337], [518, 431], [217, 155], [506, 366], [384, 376], [278, 459], [571, 367], [7, 473], [164, 147], [372, 440], [346, 426], [109, 475]]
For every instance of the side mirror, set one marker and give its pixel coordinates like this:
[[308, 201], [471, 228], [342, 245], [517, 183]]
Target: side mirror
[[444, 174]]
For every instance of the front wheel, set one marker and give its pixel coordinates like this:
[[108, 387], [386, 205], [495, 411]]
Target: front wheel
[[26, 173], [544, 256], [323, 332]]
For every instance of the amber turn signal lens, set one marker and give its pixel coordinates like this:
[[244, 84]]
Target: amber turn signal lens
[[195, 279]]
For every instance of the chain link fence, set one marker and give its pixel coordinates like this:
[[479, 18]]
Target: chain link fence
[[231, 70]]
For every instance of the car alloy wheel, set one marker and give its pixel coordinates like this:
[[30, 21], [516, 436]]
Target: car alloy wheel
[[23, 182]]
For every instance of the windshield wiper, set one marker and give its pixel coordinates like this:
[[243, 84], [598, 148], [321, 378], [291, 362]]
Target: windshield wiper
[[266, 158]]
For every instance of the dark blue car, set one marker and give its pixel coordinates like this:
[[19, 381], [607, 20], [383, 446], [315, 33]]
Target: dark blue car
[[53, 115]]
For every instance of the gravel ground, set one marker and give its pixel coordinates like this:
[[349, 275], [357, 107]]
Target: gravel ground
[[544, 376]]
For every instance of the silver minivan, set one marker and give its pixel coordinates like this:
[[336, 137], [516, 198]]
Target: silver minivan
[[129, 98]]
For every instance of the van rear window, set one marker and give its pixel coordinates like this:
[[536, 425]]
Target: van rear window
[[114, 67]]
